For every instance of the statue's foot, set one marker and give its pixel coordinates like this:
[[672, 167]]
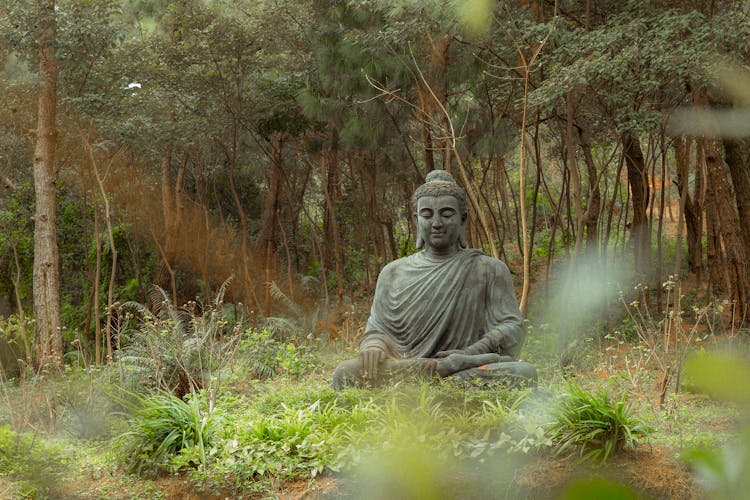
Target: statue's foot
[[348, 374], [459, 362], [512, 374]]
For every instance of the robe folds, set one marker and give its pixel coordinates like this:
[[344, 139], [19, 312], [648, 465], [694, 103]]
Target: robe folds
[[423, 305]]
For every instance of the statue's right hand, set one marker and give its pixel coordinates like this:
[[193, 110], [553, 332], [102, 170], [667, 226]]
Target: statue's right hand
[[370, 363]]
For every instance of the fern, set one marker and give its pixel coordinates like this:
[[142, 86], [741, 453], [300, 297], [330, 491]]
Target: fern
[[298, 323], [180, 349], [278, 295], [219, 299]]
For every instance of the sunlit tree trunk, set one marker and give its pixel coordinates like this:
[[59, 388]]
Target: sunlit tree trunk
[[734, 257], [730, 262], [46, 275], [639, 189], [692, 208], [332, 250], [267, 240]]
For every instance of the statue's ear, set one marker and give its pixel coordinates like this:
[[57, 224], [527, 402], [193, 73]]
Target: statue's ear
[[462, 232], [420, 242]]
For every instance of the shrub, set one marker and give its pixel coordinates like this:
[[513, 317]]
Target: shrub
[[594, 424], [294, 433], [267, 356]]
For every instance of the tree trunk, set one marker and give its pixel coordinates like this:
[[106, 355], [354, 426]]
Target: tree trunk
[[693, 212], [332, 250], [46, 275], [97, 281], [734, 256], [266, 241], [738, 162], [638, 181], [594, 202], [433, 91], [21, 313], [575, 175]]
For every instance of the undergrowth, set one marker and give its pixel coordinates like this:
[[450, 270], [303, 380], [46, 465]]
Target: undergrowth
[[34, 466]]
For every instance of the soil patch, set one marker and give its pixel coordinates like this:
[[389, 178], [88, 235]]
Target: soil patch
[[651, 471]]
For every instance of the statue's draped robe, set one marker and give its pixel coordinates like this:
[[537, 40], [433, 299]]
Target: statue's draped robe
[[423, 306]]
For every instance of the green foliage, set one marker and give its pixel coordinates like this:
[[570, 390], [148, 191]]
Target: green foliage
[[167, 432], [595, 425], [33, 465], [290, 442], [299, 432], [12, 348], [16, 242], [723, 471], [267, 356], [711, 372]]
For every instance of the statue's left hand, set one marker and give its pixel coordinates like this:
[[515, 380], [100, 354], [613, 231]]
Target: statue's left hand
[[445, 354]]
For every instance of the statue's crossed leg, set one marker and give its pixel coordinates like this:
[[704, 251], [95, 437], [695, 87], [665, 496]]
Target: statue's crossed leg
[[488, 366]]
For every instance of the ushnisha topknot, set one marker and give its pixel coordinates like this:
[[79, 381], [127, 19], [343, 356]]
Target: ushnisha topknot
[[439, 175], [440, 183]]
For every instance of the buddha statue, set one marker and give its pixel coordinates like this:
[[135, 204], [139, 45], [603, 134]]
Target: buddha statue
[[445, 311]]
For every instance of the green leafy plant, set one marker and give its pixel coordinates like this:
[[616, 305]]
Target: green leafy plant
[[594, 425], [164, 427], [267, 356]]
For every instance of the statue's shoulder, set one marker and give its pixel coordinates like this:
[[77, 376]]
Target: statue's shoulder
[[491, 264], [393, 266]]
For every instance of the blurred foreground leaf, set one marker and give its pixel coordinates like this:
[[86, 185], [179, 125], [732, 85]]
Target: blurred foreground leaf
[[598, 488], [475, 16], [721, 374], [723, 472]]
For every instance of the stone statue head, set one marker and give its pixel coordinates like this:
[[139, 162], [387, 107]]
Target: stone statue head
[[438, 185]]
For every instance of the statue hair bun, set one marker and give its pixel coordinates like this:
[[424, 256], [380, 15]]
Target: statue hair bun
[[439, 176]]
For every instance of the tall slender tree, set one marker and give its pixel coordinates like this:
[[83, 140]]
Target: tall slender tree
[[46, 257]]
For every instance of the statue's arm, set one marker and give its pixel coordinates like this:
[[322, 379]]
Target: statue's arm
[[505, 331], [372, 348]]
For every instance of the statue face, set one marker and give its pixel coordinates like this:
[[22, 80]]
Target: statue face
[[439, 223]]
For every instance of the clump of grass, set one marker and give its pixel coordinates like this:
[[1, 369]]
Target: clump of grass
[[167, 432], [594, 424]]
